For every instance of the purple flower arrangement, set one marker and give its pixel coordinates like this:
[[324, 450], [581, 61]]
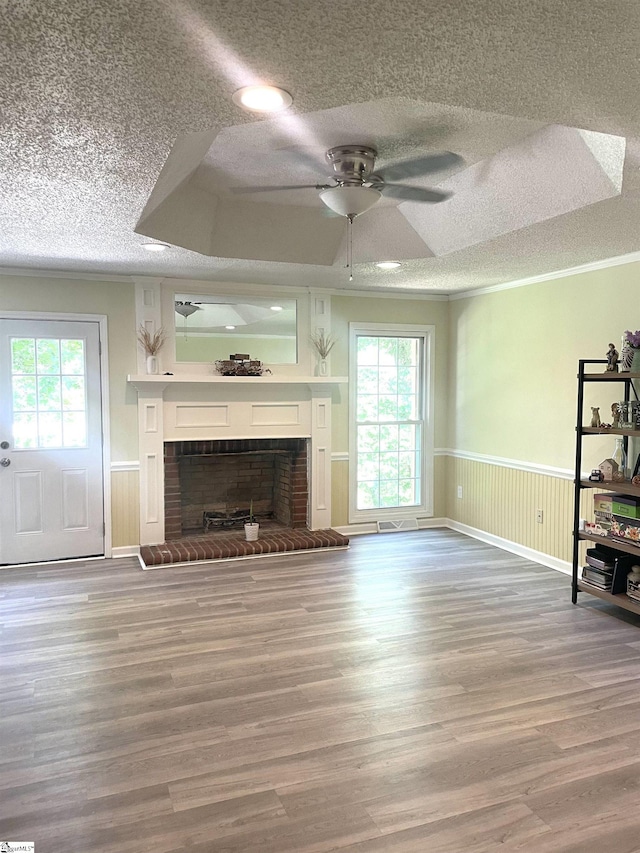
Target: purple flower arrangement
[[633, 338]]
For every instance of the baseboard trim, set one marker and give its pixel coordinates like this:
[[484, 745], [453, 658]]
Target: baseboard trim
[[512, 547], [356, 529], [426, 523], [125, 551], [365, 527]]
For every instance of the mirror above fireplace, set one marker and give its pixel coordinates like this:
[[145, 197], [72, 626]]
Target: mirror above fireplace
[[214, 326]]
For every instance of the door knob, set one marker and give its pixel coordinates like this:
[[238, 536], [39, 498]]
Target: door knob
[[5, 462], [4, 445]]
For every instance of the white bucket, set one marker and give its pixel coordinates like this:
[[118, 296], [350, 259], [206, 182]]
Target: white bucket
[[251, 531]]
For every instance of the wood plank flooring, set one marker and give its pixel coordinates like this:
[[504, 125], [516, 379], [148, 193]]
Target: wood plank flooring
[[419, 692]]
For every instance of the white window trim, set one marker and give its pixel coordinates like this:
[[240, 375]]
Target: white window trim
[[425, 508]]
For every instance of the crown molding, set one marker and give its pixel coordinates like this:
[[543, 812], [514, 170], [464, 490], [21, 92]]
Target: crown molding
[[84, 276], [620, 260], [391, 294]]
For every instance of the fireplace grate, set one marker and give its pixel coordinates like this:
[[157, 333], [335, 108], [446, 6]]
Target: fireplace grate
[[220, 520]]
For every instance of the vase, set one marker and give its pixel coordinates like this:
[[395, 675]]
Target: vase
[[626, 357], [635, 362], [323, 370], [152, 364]]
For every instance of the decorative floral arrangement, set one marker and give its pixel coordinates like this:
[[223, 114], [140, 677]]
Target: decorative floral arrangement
[[324, 343], [151, 343], [633, 339]]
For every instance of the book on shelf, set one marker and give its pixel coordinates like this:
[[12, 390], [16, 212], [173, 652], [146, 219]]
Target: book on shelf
[[596, 585], [597, 576], [600, 562]]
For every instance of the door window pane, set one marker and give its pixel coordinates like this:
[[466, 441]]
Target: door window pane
[[24, 393], [72, 353], [23, 355], [48, 392], [50, 429], [48, 351]]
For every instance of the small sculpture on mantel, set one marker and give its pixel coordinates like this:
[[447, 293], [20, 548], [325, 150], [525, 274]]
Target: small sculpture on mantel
[[595, 416], [612, 359]]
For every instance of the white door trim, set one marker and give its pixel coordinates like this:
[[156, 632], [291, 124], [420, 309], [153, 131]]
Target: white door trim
[[101, 320]]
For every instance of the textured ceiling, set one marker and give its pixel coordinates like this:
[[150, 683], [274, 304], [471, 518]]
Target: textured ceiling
[[96, 93]]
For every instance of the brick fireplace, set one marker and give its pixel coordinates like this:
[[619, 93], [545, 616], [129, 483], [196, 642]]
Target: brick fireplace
[[280, 425], [224, 477]]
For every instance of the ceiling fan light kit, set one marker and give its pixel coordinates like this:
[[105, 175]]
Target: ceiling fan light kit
[[350, 199], [186, 309]]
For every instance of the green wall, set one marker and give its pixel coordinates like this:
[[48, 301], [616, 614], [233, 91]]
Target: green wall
[[514, 357]]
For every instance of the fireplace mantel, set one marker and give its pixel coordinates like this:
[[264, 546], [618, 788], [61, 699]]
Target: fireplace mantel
[[194, 407], [152, 381]]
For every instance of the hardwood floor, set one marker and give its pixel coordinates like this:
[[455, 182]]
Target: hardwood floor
[[419, 692]]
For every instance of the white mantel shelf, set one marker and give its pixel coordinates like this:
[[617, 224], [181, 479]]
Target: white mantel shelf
[[148, 381]]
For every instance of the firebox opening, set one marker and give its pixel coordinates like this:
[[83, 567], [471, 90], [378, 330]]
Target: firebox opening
[[210, 486]]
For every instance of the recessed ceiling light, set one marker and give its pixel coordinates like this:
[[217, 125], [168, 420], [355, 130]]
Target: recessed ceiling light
[[230, 327], [276, 307], [389, 265], [262, 99], [155, 247]]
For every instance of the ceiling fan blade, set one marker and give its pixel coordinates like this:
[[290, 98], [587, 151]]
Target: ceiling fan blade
[[420, 166], [411, 193], [277, 189]]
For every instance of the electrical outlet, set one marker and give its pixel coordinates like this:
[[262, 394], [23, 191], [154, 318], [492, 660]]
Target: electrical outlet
[[539, 516], [459, 491]]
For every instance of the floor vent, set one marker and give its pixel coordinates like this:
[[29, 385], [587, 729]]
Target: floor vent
[[393, 526]]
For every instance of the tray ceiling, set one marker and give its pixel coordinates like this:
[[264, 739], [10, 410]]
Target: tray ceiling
[[118, 116]]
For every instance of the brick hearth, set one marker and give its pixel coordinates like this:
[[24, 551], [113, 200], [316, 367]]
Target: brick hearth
[[230, 545]]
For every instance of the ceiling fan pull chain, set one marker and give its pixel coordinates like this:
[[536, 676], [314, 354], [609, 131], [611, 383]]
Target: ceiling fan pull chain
[[350, 219]]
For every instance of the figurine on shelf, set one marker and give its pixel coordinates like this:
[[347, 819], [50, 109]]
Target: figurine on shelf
[[612, 359], [595, 416], [608, 467], [615, 415], [596, 476]]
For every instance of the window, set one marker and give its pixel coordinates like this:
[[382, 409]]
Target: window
[[390, 432], [48, 393]]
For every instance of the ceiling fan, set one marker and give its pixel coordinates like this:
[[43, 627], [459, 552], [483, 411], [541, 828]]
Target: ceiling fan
[[227, 314], [357, 186], [186, 309]]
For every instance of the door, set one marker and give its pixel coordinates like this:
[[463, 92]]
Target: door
[[51, 469]]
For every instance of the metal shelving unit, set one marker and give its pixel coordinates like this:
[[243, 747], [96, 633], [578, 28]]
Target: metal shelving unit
[[631, 382]]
